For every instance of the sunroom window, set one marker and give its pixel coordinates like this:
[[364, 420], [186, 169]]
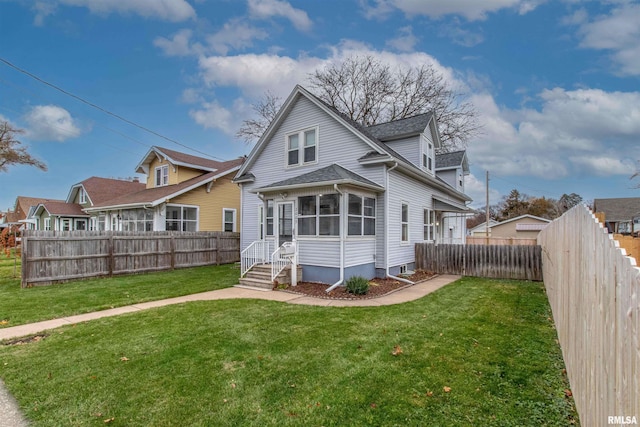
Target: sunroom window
[[319, 215], [362, 216]]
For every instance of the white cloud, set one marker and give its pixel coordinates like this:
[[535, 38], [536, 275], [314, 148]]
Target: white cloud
[[166, 10], [179, 44], [405, 42], [472, 10], [263, 9], [477, 190], [460, 35], [580, 132], [617, 32], [212, 115], [51, 123], [42, 10], [253, 74], [235, 34]]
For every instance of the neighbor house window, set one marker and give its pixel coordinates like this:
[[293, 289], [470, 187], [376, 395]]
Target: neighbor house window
[[269, 217], [82, 196], [404, 223], [362, 216], [47, 224], [229, 219], [428, 222], [101, 222], [162, 175], [181, 218], [136, 220], [319, 215], [302, 147]]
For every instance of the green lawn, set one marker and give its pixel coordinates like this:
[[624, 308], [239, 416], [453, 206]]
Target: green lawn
[[258, 363], [19, 306]]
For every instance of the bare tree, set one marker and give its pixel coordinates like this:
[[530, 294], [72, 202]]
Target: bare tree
[[266, 109], [371, 92], [11, 152]]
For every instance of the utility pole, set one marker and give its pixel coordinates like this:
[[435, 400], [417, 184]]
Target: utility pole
[[487, 213]]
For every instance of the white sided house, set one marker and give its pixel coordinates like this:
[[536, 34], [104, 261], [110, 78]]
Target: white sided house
[[339, 200], [452, 168]]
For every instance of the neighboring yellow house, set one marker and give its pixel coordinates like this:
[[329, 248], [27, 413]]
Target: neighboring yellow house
[[183, 193]]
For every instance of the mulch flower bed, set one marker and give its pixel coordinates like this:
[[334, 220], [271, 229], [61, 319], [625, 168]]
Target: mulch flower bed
[[377, 287]]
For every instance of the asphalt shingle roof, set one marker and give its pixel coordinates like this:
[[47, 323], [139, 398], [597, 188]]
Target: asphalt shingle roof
[[330, 174], [100, 190], [448, 160], [401, 127], [64, 209], [619, 209]]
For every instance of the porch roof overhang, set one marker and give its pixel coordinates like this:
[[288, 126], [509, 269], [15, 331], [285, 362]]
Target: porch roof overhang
[[327, 176], [442, 204]]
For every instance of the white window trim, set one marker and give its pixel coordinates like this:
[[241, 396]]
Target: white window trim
[[163, 175], [82, 196], [408, 222], [317, 217], [261, 223], [177, 205], [431, 215], [362, 216], [234, 220], [47, 224], [301, 140]]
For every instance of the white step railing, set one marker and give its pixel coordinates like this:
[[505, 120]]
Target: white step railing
[[282, 257], [256, 253]]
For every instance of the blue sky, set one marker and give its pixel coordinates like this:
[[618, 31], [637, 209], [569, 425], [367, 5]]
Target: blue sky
[[556, 82]]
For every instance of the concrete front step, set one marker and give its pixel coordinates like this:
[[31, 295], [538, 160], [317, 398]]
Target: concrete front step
[[256, 283]]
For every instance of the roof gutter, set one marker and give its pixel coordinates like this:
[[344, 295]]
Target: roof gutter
[[342, 237]]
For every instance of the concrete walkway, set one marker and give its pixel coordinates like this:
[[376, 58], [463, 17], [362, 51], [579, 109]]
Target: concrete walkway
[[10, 415]]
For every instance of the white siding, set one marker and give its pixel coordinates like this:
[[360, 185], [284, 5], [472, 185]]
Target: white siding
[[322, 252], [359, 251], [449, 176], [409, 148]]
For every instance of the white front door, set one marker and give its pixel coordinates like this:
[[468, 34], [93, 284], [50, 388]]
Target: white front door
[[284, 222]]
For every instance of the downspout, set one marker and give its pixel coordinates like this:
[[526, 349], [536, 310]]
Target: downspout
[[342, 237], [386, 229]]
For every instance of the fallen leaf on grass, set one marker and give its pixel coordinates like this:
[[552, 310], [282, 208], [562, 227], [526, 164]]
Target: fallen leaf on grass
[[233, 385], [429, 393], [568, 393], [4, 322], [397, 350], [446, 389], [373, 405], [108, 420], [124, 359]]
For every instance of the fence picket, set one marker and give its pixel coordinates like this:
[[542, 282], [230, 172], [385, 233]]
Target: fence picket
[[594, 293], [495, 261], [51, 257]]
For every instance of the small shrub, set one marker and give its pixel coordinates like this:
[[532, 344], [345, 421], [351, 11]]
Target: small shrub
[[357, 285]]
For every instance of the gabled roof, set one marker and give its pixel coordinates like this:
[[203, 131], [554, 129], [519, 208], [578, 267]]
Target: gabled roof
[[60, 208], [178, 159], [537, 218], [618, 209], [155, 196], [99, 190], [329, 175], [385, 152], [25, 203], [452, 160], [401, 128]]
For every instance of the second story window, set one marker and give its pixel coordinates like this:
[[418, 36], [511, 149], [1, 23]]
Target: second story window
[[162, 175], [302, 147], [82, 196]]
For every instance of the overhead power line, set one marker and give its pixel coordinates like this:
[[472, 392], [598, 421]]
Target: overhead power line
[[104, 110]]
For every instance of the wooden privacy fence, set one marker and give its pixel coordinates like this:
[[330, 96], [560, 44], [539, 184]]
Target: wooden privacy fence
[[499, 262], [51, 257], [512, 241], [594, 293]]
